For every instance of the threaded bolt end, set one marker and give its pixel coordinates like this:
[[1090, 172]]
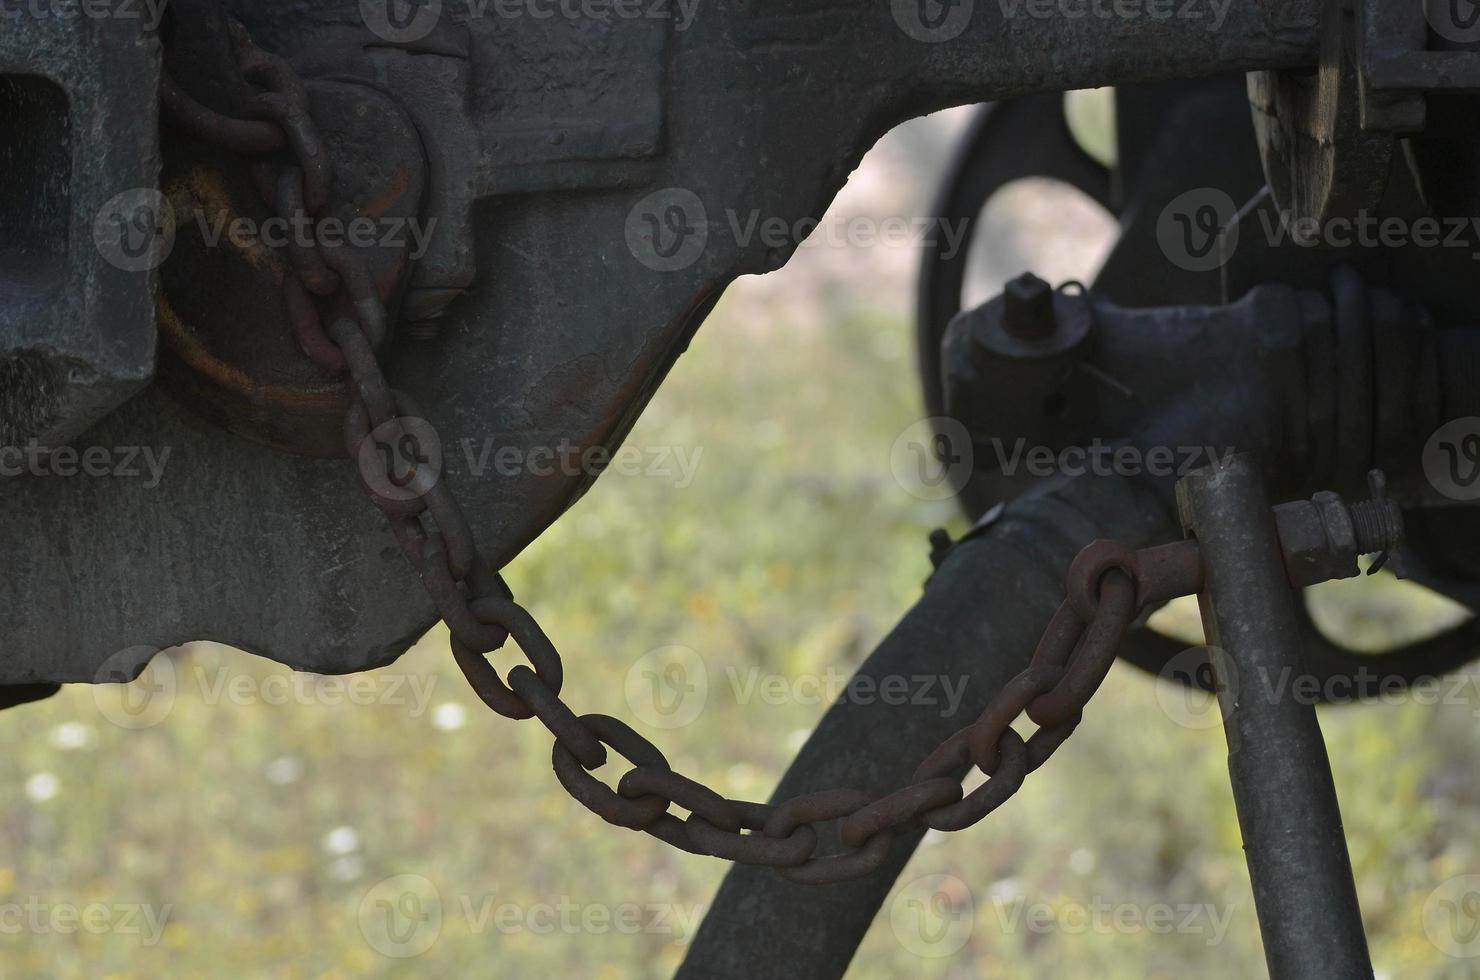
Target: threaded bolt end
[[425, 331], [1378, 525]]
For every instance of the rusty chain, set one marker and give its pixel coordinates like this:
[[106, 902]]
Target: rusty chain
[[1108, 585]]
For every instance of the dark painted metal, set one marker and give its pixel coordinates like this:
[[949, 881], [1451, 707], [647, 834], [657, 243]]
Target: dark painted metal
[[1007, 141], [1282, 786], [563, 129], [1174, 138], [77, 336], [1170, 139]]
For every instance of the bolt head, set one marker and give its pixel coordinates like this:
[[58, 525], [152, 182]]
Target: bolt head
[[1028, 308]]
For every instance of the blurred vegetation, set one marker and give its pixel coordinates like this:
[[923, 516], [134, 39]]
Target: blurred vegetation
[[262, 820]]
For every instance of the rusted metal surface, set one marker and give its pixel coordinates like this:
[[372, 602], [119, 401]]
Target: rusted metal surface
[[260, 364], [241, 362], [1070, 664]]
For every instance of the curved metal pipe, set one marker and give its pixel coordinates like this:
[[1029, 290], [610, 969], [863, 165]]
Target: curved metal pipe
[[976, 626]]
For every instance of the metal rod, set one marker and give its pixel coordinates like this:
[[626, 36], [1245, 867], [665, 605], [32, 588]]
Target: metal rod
[[1304, 894]]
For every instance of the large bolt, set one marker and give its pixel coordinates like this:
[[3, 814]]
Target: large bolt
[[1027, 311], [1323, 536]]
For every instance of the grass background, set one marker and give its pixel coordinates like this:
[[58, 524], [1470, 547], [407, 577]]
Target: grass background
[[264, 820]]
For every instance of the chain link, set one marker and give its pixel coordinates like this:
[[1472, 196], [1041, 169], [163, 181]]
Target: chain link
[[1108, 585]]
